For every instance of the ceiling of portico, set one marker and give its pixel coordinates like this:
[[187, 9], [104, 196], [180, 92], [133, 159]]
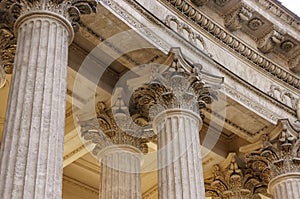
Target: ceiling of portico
[[238, 126]]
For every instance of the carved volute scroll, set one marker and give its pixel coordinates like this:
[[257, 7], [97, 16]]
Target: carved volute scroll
[[235, 182], [181, 85], [280, 155], [11, 10]]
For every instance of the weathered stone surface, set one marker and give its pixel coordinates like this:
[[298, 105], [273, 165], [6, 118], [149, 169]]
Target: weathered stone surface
[[32, 147]]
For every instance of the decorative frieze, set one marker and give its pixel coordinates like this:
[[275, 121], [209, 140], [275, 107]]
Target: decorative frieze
[[235, 19], [283, 96], [197, 18], [70, 10], [192, 36]]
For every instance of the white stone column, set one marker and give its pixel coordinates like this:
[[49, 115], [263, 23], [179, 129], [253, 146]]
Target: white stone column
[[32, 146], [285, 186], [120, 172], [180, 172]]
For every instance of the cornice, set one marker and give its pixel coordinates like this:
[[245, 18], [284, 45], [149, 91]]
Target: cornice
[[267, 107], [278, 11], [191, 14]]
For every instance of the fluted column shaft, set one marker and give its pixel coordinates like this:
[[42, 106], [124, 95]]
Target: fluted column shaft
[[285, 186], [32, 146], [120, 172], [180, 172]]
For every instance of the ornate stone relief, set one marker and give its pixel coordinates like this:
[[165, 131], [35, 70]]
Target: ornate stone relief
[[193, 36], [235, 182], [71, 10], [10, 10], [279, 12], [283, 96], [182, 85], [196, 17], [7, 41], [234, 20], [114, 126], [255, 23], [280, 155], [267, 43]]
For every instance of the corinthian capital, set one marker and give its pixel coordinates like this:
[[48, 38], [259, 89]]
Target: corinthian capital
[[69, 9], [280, 154], [230, 180], [114, 126], [180, 86]]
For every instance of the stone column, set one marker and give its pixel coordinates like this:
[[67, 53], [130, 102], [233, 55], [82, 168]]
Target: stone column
[[120, 172], [119, 147], [285, 186], [180, 172], [173, 101], [32, 146]]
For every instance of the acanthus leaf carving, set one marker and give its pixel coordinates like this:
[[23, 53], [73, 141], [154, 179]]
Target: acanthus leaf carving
[[7, 41], [235, 181], [113, 126], [281, 155], [181, 86]]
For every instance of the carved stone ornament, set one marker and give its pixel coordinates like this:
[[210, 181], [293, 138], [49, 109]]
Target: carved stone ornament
[[235, 182], [280, 155], [267, 43], [199, 2], [70, 9], [114, 127], [180, 86], [7, 41], [234, 20], [217, 32], [11, 10], [255, 23]]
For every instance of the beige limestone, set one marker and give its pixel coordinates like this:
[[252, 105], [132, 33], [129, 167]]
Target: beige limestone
[[180, 172], [120, 172], [285, 186], [32, 146]]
